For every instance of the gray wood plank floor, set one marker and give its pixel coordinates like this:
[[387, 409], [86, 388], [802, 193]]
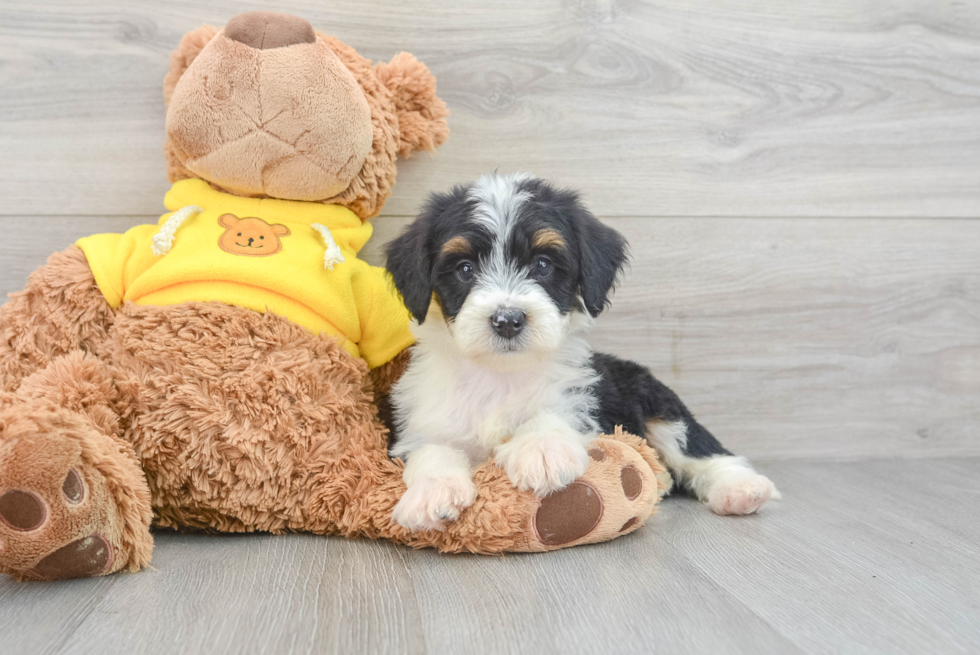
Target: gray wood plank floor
[[874, 557], [799, 184]]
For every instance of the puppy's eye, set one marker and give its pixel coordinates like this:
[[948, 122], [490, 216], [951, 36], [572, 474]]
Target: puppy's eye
[[542, 266], [261, 237], [464, 271]]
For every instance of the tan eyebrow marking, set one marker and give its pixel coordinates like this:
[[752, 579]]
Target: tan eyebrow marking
[[548, 238], [457, 245]]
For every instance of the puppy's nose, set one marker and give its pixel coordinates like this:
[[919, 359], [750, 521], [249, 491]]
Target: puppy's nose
[[508, 323], [265, 30]]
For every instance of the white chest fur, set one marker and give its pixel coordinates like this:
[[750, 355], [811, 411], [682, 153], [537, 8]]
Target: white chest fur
[[446, 399]]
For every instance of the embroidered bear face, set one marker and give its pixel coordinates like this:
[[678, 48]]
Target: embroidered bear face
[[251, 237]]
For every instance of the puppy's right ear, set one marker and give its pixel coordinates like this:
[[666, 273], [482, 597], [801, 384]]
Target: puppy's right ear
[[411, 258], [410, 267]]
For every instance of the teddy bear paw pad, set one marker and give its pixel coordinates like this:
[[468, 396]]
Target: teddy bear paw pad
[[567, 515], [55, 525], [73, 487], [632, 482], [22, 510], [81, 558], [617, 493]]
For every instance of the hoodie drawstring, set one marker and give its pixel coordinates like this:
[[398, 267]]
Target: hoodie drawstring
[[163, 240], [332, 254]]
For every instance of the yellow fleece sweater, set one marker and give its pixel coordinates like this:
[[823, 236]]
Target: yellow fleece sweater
[[295, 259]]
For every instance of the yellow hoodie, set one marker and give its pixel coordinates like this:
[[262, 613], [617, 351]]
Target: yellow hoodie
[[295, 259]]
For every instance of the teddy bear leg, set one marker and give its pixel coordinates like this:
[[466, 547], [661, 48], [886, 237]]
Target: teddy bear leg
[[616, 495], [61, 310], [74, 501]]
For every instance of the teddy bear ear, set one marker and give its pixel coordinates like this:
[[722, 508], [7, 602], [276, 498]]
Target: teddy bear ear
[[421, 113], [188, 50], [228, 221]]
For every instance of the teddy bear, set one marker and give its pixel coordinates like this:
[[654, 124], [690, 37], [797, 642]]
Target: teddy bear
[[226, 369]]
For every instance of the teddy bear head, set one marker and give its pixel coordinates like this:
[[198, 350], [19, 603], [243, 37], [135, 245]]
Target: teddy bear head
[[268, 107]]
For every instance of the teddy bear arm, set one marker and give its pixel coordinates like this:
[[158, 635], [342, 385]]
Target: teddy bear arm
[[371, 500], [616, 495], [60, 311]]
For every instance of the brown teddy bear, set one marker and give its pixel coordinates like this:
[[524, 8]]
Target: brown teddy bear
[[223, 369]]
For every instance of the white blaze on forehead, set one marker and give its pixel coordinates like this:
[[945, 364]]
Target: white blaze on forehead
[[498, 199]]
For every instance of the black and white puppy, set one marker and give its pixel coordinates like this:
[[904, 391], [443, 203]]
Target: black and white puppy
[[504, 277]]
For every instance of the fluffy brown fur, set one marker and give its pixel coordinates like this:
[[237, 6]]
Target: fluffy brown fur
[[226, 419], [208, 416], [60, 311]]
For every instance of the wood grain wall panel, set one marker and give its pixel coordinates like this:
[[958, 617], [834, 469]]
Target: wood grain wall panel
[[702, 108]]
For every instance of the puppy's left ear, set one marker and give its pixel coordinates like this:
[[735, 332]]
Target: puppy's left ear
[[602, 252], [410, 266]]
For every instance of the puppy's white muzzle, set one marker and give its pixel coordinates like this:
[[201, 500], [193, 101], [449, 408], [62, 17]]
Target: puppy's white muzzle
[[507, 330]]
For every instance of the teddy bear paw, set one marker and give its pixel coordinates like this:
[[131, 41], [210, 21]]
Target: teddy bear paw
[[617, 493], [52, 525]]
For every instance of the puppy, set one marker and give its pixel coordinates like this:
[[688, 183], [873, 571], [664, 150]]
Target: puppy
[[504, 277]]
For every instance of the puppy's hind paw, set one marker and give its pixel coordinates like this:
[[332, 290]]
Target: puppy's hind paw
[[741, 494], [429, 502]]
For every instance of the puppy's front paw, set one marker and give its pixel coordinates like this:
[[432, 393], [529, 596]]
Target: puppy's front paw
[[430, 502], [542, 463], [741, 494]]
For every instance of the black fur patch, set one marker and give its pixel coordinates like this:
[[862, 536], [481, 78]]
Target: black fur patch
[[630, 396], [412, 258], [598, 252]]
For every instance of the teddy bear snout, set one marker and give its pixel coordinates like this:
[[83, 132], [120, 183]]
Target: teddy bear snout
[[265, 30]]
